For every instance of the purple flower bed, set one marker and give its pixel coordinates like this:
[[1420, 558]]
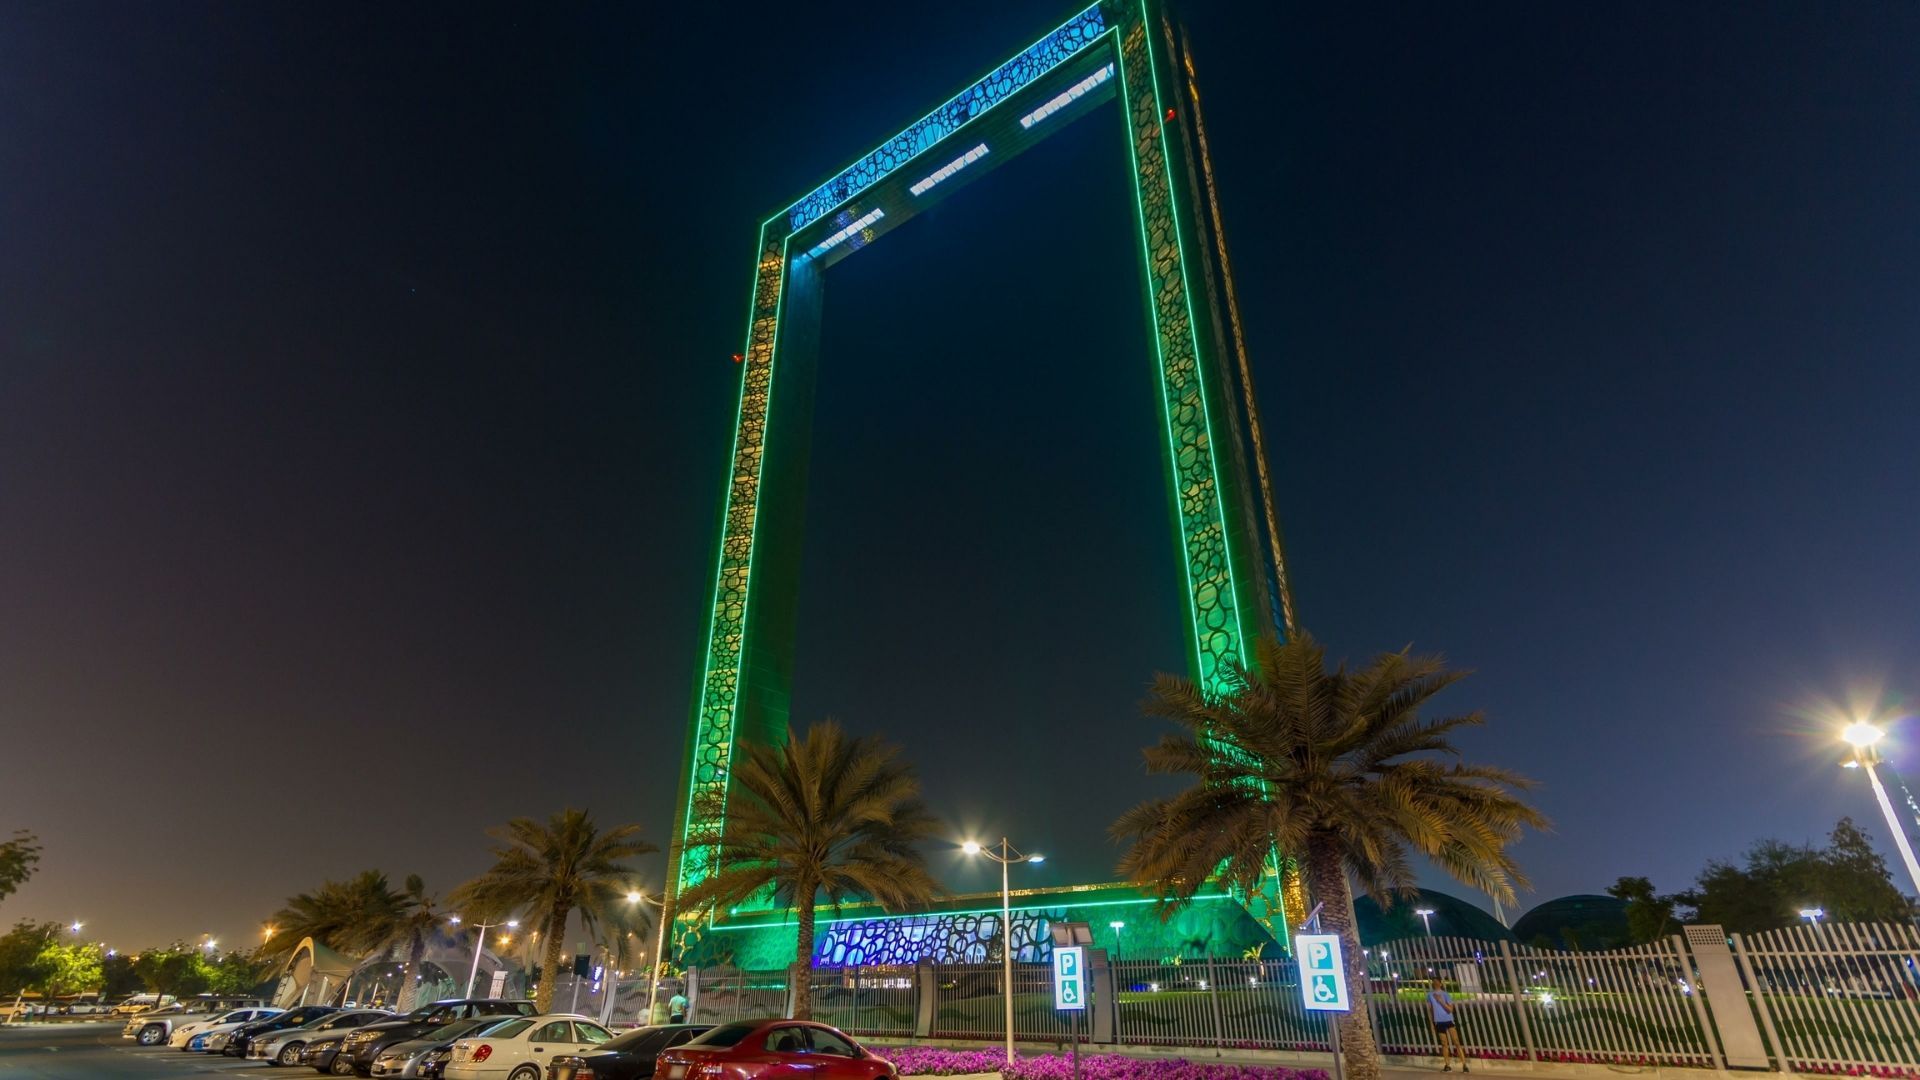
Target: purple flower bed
[[933, 1061]]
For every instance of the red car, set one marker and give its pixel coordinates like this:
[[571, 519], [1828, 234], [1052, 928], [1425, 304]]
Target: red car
[[773, 1050]]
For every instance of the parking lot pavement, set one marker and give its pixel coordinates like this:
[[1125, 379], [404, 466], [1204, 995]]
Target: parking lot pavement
[[95, 1051]]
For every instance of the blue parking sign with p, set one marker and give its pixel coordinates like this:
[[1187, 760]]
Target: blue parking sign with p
[[1323, 973], [1069, 977]]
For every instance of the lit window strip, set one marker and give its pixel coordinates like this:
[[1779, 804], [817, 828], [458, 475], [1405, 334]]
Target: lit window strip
[[868, 219], [950, 168], [1067, 97]]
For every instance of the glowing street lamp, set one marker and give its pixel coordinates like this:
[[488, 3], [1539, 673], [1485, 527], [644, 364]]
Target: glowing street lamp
[[479, 943], [1812, 914], [75, 928], [1006, 856], [1426, 917], [1863, 737], [1119, 929]]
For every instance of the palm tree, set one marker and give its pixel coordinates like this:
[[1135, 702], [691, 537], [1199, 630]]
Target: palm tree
[[1336, 766], [822, 816], [341, 914], [551, 870], [406, 921]]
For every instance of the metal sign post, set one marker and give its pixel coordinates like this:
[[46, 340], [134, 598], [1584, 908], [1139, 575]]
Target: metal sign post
[[1323, 983], [1070, 990]]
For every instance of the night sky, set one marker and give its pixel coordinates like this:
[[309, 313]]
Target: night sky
[[365, 396]]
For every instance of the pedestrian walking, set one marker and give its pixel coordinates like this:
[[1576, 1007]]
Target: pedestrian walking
[[677, 1008], [1440, 1004]]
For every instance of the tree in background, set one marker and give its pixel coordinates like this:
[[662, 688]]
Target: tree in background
[[547, 871], [353, 916], [1857, 886], [1649, 916], [820, 817], [22, 967], [1334, 767], [117, 977], [408, 921], [1774, 880], [231, 973], [176, 970], [18, 857], [71, 968]]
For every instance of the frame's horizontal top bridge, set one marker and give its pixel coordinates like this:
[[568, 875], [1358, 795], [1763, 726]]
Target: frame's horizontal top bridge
[[1062, 44]]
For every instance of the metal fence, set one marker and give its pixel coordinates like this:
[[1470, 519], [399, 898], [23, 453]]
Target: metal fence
[[1832, 998], [1836, 996]]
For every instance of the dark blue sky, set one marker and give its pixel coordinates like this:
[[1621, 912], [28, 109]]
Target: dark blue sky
[[364, 392]]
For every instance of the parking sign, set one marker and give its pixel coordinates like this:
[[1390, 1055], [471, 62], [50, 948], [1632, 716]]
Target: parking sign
[[1069, 977], [1323, 975]]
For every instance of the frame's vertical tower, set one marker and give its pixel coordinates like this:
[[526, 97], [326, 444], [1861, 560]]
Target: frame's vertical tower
[[1221, 508]]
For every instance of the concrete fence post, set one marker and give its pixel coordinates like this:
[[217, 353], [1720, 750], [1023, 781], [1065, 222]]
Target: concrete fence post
[[1106, 997], [926, 998]]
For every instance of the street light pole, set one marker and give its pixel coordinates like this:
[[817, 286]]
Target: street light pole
[[1862, 736], [1007, 856], [480, 944], [1426, 917]]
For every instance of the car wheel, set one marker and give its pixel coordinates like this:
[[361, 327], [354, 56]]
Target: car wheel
[[525, 1072], [152, 1035], [290, 1054], [342, 1066]]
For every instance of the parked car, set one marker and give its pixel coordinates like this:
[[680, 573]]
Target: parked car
[[186, 1034], [140, 1003], [285, 1045], [774, 1050], [407, 1059], [155, 1027], [237, 1040], [324, 1054], [365, 1044], [520, 1048], [630, 1056]]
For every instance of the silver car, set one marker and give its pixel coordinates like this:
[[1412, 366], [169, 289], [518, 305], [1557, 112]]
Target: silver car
[[284, 1047], [405, 1059], [156, 1027]]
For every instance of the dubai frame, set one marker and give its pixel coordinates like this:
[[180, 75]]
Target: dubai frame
[[1218, 492]]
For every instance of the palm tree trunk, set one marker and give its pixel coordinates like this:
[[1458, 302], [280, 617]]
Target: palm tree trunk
[[410, 990], [550, 965], [803, 959], [1327, 877]]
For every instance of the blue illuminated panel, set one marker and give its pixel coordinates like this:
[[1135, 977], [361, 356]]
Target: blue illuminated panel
[[1006, 80]]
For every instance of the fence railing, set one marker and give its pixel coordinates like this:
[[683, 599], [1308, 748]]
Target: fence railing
[[1831, 998], [1842, 996]]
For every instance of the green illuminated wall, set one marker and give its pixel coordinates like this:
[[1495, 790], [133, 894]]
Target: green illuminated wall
[[1123, 50]]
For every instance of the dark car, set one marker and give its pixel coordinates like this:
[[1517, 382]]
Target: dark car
[[242, 1037], [628, 1057], [771, 1049], [284, 1047], [365, 1044]]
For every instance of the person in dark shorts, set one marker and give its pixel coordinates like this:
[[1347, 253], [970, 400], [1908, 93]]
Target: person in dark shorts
[[1440, 1004]]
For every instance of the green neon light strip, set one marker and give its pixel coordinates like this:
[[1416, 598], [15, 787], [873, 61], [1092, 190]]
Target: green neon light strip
[[1186, 288], [1200, 650], [971, 911], [701, 739]]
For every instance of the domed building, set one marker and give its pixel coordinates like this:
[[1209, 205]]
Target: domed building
[[1452, 917], [1580, 921]]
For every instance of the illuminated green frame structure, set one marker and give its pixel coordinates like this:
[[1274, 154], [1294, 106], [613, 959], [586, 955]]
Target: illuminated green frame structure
[[1226, 528]]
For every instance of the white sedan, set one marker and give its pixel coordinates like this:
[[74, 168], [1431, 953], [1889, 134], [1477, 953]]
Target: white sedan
[[519, 1047], [184, 1035]]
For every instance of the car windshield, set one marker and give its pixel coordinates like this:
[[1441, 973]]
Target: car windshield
[[725, 1035], [426, 1011], [505, 1028], [648, 1040], [459, 1028]]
